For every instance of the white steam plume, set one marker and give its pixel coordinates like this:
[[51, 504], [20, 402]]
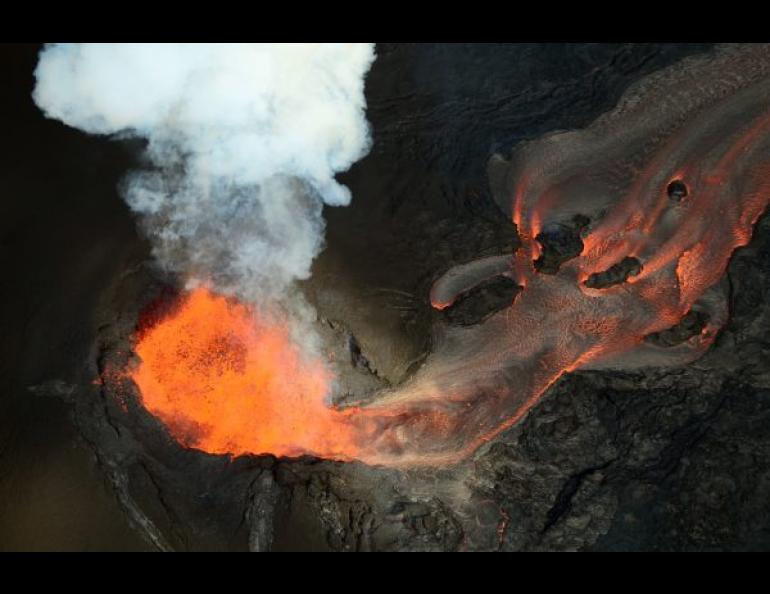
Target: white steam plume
[[244, 141]]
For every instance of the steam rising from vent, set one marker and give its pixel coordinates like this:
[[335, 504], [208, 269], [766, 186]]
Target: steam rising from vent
[[648, 204], [244, 141]]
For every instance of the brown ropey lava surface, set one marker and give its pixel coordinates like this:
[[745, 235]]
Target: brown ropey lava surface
[[676, 459]]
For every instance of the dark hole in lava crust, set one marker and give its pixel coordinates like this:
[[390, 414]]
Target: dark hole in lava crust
[[677, 190]]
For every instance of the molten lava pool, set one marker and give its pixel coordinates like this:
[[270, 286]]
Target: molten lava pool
[[227, 381]]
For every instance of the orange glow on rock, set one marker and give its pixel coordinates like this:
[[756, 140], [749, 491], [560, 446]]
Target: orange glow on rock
[[227, 381]]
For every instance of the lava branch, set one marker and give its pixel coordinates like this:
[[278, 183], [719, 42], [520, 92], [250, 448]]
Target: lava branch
[[483, 379]]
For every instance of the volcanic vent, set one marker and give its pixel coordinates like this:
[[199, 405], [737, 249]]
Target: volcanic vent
[[642, 288], [555, 480], [228, 381]]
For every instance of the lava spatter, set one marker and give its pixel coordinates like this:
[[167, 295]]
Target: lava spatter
[[226, 380]]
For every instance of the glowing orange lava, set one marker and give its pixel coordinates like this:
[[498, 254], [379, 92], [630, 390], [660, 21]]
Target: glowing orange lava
[[224, 380]]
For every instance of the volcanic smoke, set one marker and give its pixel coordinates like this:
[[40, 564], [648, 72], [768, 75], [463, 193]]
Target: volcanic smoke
[[242, 145], [243, 142], [671, 182]]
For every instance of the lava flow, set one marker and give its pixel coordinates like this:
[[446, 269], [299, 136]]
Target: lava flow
[[672, 182], [226, 381]]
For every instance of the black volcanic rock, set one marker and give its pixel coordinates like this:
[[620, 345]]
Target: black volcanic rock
[[560, 243], [690, 325], [615, 274], [482, 301], [649, 460]]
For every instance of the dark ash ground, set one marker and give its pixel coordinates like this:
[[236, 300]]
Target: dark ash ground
[[674, 460]]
